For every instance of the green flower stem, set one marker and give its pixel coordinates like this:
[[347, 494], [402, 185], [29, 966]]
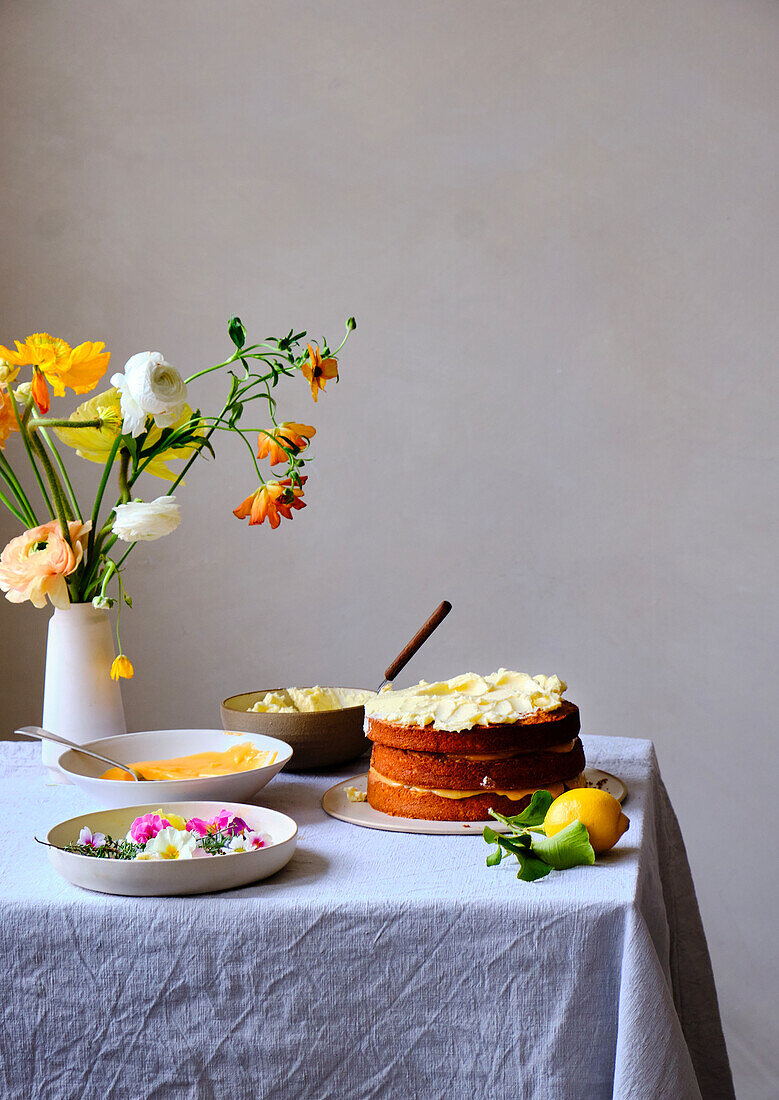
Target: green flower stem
[[23, 519], [209, 433], [210, 370], [15, 485], [62, 471], [124, 555], [100, 491], [21, 420], [239, 433], [111, 568], [124, 468], [43, 422], [63, 510]]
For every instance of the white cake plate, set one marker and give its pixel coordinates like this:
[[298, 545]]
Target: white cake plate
[[336, 804]]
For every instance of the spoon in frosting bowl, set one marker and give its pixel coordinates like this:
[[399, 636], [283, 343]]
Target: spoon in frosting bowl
[[45, 735]]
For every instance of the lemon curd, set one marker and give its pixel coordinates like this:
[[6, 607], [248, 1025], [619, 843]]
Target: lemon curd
[[200, 765]]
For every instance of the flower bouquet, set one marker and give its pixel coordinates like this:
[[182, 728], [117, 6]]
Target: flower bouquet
[[134, 430]]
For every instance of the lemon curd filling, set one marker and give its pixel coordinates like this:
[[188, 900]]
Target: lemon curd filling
[[507, 754], [555, 789], [200, 765]]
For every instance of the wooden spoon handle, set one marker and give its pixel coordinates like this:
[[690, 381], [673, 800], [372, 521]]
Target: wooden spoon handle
[[418, 640]]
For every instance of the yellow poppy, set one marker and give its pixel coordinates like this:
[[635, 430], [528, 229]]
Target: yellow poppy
[[94, 444], [79, 368]]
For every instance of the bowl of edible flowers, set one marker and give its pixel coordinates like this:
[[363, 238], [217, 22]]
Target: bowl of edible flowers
[[183, 848]]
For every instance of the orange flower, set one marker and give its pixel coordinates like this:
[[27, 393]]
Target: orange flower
[[271, 501], [7, 419], [40, 391], [35, 565], [79, 368], [294, 436], [317, 370]]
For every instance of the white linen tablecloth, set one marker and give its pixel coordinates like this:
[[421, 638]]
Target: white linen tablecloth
[[374, 965]]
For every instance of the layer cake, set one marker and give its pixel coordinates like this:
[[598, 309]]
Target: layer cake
[[453, 750]]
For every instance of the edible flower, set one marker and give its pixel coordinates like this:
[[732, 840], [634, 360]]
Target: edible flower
[[176, 820], [295, 437], [317, 370], [146, 827], [249, 842], [35, 564], [90, 839], [170, 843], [228, 822], [271, 501], [122, 668]]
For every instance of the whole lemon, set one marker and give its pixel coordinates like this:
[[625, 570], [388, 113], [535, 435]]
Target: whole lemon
[[598, 811]]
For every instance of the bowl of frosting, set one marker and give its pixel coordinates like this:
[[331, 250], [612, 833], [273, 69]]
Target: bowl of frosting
[[324, 725], [177, 764]]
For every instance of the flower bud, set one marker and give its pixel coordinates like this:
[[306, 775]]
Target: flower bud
[[7, 372]]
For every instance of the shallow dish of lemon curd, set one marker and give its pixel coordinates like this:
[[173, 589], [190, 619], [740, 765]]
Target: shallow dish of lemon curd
[[178, 764]]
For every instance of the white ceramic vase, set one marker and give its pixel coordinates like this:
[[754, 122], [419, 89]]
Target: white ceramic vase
[[80, 700]]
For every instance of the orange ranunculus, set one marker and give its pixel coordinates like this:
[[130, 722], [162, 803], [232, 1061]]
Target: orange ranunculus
[[295, 436], [35, 565], [79, 368], [7, 419], [317, 370], [271, 501]]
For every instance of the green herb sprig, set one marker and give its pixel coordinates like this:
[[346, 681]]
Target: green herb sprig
[[214, 843], [109, 849], [536, 853]]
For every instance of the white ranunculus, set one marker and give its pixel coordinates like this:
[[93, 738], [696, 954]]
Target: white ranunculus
[[149, 387], [145, 521]]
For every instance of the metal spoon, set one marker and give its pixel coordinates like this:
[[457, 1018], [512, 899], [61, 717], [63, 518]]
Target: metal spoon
[[45, 735]]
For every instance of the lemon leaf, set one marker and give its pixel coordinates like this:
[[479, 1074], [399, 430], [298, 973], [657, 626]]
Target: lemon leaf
[[569, 848], [531, 868], [533, 814]]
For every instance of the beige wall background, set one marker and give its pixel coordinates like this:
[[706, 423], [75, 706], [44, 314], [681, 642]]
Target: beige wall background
[[556, 226]]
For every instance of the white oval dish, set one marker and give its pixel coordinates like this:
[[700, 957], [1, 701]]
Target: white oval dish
[[129, 748], [153, 878]]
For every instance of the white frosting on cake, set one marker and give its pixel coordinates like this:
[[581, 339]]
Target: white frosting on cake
[[467, 701]]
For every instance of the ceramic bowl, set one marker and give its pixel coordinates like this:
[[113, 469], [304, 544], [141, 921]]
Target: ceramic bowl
[[148, 878], [320, 739], [129, 748]]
